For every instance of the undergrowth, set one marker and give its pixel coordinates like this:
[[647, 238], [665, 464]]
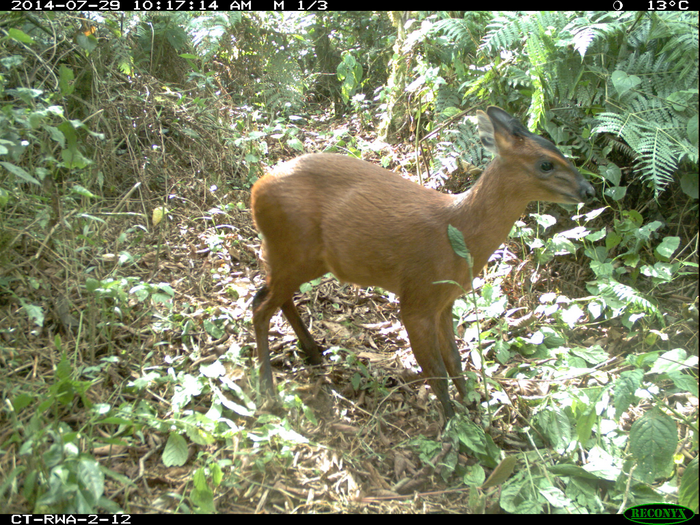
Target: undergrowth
[[128, 262]]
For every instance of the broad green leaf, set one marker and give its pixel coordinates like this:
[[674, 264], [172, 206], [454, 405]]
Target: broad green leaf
[[653, 440], [689, 184], [668, 246], [20, 36], [20, 173], [624, 389], [458, 244], [624, 82], [688, 491], [175, 452]]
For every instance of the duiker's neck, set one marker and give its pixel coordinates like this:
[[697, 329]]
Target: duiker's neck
[[486, 213]]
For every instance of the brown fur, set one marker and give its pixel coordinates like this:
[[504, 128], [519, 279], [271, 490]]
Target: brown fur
[[324, 213]]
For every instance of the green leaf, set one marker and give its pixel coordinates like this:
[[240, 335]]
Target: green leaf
[[203, 500], [624, 82], [660, 272], [21, 401], [673, 361], [19, 172], [471, 436], [653, 440], [87, 42], [92, 480], [688, 491], [19, 36], [596, 236], [689, 185], [692, 130], [166, 289], [34, 312], [612, 174], [565, 469], [356, 380], [56, 135], [684, 382], [501, 473], [27, 95], [602, 464], [175, 452], [647, 230], [625, 387], [555, 496], [584, 425], [296, 144], [475, 475], [458, 244], [517, 496], [91, 217], [65, 80], [616, 192], [668, 246], [92, 284], [80, 190], [544, 219], [591, 214], [594, 354], [217, 474], [555, 426], [612, 240]]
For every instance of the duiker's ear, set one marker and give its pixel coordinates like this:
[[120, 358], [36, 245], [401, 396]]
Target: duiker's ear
[[498, 130], [505, 122], [486, 132]]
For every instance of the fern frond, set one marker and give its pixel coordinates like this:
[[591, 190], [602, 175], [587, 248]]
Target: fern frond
[[629, 295], [503, 32], [682, 30], [447, 97], [657, 159], [654, 113], [283, 82], [457, 30], [583, 39]]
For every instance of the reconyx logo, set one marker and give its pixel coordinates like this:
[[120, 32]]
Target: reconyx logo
[[658, 513]]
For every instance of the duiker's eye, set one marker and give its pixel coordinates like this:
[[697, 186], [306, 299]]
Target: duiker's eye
[[546, 166]]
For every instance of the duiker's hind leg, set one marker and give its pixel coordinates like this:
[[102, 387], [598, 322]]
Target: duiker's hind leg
[[265, 304], [307, 343]]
